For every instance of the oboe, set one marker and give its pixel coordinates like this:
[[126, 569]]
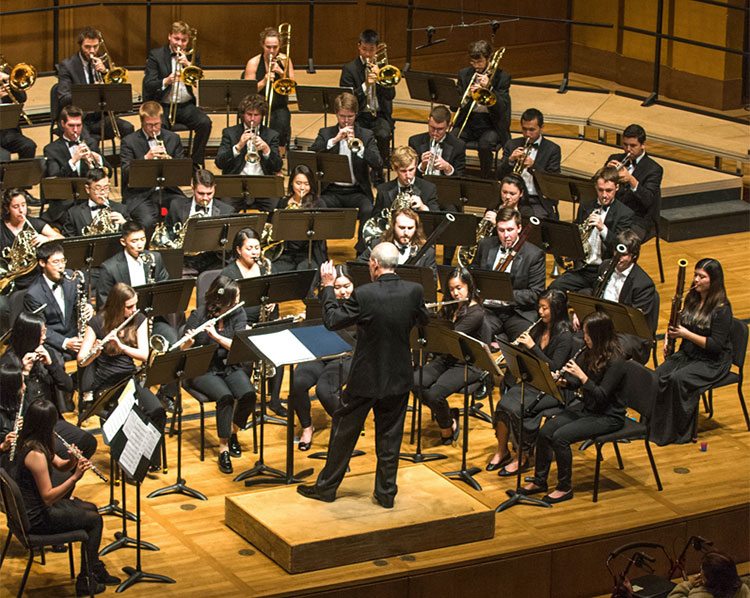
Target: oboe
[[78, 455], [17, 425]]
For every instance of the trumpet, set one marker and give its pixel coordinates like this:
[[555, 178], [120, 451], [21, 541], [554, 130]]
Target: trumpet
[[252, 155], [434, 148], [354, 143], [520, 166], [87, 155], [108, 337], [20, 77], [78, 455], [516, 342], [160, 149], [284, 85], [203, 326]]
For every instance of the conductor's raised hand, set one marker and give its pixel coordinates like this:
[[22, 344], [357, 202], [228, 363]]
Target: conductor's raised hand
[[327, 273]]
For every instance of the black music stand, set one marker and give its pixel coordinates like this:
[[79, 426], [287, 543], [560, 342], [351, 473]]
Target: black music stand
[[25, 172], [9, 115], [562, 239], [317, 224], [165, 297], [83, 253], [423, 275], [626, 319], [224, 94], [286, 344], [62, 188], [531, 370], [171, 367], [112, 97], [462, 232], [249, 187], [328, 168], [466, 191], [216, 233], [158, 174], [435, 89], [312, 98]]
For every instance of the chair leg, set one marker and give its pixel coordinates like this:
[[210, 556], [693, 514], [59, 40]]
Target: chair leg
[[70, 560], [203, 431], [653, 465], [597, 467], [658, 256], [742, 404], [619, 458], [25, 574], [43, 555], [5, 548]]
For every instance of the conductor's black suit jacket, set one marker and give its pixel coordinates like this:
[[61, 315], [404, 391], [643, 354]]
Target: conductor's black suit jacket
[[230, 136], [115, 270], [134, 147], [384, 312], [59, 325]]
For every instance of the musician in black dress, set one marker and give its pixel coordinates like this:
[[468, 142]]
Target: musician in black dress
[[45, 377], [228, 385], [49, 508], [12, 388], [598, 372], [551, 340], [301, 194], [114, 359], [513, 194], [444, 375], [257, 69], [323, 374], [704, 356]]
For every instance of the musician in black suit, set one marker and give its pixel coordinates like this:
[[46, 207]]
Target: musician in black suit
[[381, 372], [86, 68], [450, 159], [640, 181], [202, 204], [423, 193], [232, 156], [526, 269], [607, 218], [159, 80], [356, 192], [13, 141], [487, 125], [150, 142], [374, 111], [543, 156], [82, 215], [405, 232]]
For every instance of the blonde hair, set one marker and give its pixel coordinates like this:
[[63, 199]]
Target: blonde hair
[[403, 156], [150, 109]]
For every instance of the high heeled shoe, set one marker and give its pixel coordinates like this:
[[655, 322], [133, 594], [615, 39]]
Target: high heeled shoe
[[305, 446]]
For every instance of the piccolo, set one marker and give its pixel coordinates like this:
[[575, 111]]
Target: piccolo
[[78, 455], [110, 336], [439, 304], [17, 425], [203, 326]]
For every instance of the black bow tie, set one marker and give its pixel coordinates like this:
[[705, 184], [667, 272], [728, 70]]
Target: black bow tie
[[71, 143], [173, 54], [95, 207], [56, 285], [535, 144], [204, 210], [403, 250]]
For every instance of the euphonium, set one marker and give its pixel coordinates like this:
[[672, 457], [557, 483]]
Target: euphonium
[[18, 259], [20, 77], [285, 85]]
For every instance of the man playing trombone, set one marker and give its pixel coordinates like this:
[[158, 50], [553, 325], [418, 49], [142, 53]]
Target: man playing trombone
[[13, 141], [161, 76], [85, 67]]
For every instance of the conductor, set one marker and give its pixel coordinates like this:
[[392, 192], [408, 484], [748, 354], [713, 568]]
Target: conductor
[[381, 373]]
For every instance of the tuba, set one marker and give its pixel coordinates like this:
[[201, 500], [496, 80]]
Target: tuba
[[375, 227], [18, 259], [20, 77]]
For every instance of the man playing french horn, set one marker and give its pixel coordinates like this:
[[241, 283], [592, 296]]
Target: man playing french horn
[[405, 232], [98, 215]]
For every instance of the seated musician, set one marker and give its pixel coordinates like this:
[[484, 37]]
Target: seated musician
[[12, 388], [605, 220], [45, 377], [526, 269], [544, 156], [51, 509], [423, 193], [250, 148], [13, 141], [444, 375], [229, 386], [640, 181], [114, 360], [112, 215], [86, 68], [405, 232], [374, 102], [162, 84], [202, 205], [489, 126], [514, 195], [551, 339], [324, 374], [150, 142], [257, 68], [249, 262], [449, 157], [301, 194], [337, 139], [599, 373]]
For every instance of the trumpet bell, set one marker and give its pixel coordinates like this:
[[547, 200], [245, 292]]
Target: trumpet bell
[[284, 86], [389, 76], [484, 97], [355, 144], [116, 75], [190, 75]]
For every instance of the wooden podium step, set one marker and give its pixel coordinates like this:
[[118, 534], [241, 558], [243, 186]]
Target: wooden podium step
[[705, 220], [301, 534]]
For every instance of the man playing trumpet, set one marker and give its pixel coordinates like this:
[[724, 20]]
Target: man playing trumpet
[[439, 151]]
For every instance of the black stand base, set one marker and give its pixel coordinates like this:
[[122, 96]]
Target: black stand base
[[124, 541], [285, 479], [114, 508], [178, 487], [421, 457], [563, 85], [136, 576], [324, 454], [260, 469], [475, 410], [466, 475], [520, 499], [651, 99]]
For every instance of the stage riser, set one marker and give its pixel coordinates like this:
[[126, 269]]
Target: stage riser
[[706, 220], [703, 198]]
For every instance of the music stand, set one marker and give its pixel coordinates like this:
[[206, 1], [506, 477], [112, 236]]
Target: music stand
[[158, 174], [435, 89], [25, 172], [531, 370], [316, 99], [286, 344], [317, 224], [466, 191], [84, 252], [563, 187], [165, 297], [249, 187], [562, 239], [224, 94], [216, 232], [626, 319], [423, 275], [461, 232], [112, 97], [328, 168], [10, 115], [171, 367], [61, 188]]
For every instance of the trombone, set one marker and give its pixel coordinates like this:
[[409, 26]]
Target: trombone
[[285, 85], [190, 75], [20, 77], [114, 74], [481, 95], [389, 75]]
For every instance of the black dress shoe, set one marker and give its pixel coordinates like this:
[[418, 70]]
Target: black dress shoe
[[82, 586], [314, 492], [536, 490], [384, 501], [225, 462], [102, 575], [552, 501], [281, 411], [235, 450], [504, 461], [504, 473]]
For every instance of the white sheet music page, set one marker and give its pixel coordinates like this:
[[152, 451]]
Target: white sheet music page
[[282, 348], [119, 415]]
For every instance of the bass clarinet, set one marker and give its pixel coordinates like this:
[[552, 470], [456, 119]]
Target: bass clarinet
[[603, 280], [78, 455], [503, 266]]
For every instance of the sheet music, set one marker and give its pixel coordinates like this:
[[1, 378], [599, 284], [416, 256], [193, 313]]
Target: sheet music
[[119, 415], [282, 348], [142, 439]]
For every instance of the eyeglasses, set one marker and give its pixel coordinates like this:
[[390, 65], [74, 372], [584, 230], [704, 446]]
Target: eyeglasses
[[101, 188], [58, 262]]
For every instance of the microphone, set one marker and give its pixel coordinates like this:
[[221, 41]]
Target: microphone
[[430, 32]]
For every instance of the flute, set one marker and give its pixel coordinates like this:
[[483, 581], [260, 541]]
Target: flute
[[203, 326], [110, 336], [78, 455], [440, 304], [17, 425]]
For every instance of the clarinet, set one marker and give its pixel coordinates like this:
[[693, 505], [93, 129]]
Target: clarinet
[[16, 429], [78, 455], [81, 321], [530, 408]]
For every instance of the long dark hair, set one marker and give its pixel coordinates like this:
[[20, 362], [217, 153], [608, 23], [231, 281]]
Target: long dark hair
[[26, 333], [112, 315], [419, 237], [308, 201], [692, 312], [240, 238], [221, 295], [8, 196], [559, 318], [720, 574], [604, 344], [463, 274], [11, 383], [39, 422]]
